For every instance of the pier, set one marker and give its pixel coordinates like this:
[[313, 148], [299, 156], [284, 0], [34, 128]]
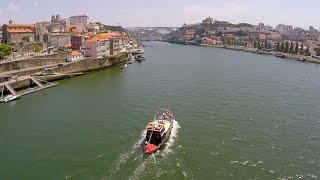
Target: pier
[[40, 85]]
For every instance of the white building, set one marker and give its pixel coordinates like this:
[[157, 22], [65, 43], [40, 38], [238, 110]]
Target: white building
[[74, 56]]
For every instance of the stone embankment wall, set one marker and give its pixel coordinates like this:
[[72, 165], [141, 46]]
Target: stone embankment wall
[[66, 71], [91, 64], [33, 62]]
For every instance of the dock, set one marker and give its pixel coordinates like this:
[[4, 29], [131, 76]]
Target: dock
[[40, 85]]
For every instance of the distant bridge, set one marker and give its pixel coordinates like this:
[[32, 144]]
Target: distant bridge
[[150, 27]]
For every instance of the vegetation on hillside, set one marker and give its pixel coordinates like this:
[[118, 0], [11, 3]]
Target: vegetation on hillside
[[5, 50]]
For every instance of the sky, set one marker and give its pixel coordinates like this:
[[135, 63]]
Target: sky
[[142, 13]]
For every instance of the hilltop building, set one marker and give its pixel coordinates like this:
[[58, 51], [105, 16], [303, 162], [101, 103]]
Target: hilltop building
[[208, 20], [17, 33]]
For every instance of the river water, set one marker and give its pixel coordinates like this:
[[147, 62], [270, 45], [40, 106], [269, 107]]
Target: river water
[[238, 116]]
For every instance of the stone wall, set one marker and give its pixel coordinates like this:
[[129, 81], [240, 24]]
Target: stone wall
[[30, 63], [91, 64]]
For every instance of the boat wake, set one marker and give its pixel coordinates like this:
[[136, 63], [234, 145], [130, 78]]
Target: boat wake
[[123, 158], [151, 161], [141, 163]]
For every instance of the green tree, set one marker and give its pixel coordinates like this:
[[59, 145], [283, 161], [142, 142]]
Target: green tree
[[282, 47], [317, 51], [260, 45], [291, 48], [266, 46], [296, 50], [278, 46], [286, 47], [255, 44], [5, 50], [37, 48], [245, 44], [307, 51], [301, 49]]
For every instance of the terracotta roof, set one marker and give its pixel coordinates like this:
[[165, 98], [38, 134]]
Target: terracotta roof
[[74, 53], [98, 37], [20, 31], [68, 45], [20, 25], [92, 40]]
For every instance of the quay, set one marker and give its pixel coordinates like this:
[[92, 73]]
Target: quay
[[40, 85]]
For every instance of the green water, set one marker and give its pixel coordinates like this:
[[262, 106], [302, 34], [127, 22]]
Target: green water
[[238, 116]]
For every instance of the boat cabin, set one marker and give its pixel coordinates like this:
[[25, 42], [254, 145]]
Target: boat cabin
[[154, 133]]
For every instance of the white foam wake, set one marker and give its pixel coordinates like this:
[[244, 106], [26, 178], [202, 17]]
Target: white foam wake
[[141, 168], [122, 159], [172, 139]]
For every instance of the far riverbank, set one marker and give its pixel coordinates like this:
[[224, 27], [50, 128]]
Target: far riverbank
[[272, 53], [295, 57]]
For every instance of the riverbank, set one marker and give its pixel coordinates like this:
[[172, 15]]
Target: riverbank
[[272, 53], [67, 70]]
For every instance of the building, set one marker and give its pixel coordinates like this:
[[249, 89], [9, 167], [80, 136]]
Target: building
[[0, 35], [93, 27], [189, 35], [81, 19], [17, 33], [284, 28], [41, 30], [312, 30], [77, 40], [96, 47], [261, 26], [115, 46], [59, 40], [57, 24], [208, 20], [74, 56], [269, 28]]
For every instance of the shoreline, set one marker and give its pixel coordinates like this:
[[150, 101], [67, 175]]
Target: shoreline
[[295, 57], [71, 70], [288, 56]]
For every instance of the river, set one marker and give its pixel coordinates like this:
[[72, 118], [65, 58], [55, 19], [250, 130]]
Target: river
[[238, 116]]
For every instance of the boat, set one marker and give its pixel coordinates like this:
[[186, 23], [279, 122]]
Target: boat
[[158, 130], [143, 58], [124, 66], [10, 98], [131, 61], [280, 55]]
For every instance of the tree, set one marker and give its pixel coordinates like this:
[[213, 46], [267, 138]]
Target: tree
[[291, 48], [286, 47], [301, 49], [260, 45], [255, 44], [5, 50], [317, 51], [307, 51], [245, 44], [278, 46], [282, 47], [266, 45], [37, 48], [296, 50]]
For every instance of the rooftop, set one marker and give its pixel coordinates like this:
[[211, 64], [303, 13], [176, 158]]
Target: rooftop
[[20, 31], [20, 25], [74, 53]]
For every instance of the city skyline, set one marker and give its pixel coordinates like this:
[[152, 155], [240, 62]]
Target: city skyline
[[146, 13]]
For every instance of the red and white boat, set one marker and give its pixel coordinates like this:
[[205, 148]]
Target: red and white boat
[[158, 130]]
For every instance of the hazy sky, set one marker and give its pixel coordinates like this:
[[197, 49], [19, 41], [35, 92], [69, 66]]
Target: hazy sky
[[127, 13]]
